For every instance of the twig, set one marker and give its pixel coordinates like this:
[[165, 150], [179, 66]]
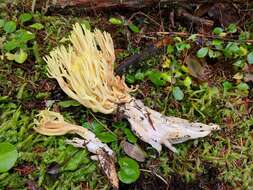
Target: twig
[[143, 14], [149, 51], [185, 14], [33, 5], [186, 34], [160, 177]]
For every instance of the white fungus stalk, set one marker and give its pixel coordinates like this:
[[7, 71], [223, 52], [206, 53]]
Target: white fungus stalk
[[156, 129], [52, 124]]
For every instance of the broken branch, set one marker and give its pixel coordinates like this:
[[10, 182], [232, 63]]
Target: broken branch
[[149, 51]]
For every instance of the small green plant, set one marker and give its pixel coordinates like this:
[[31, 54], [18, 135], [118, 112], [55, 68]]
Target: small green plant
[[123, 22], [129, 170], [8, 156], [19, 37]]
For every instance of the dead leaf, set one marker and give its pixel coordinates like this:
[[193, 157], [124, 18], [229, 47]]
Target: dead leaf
[[134, 151], [195, 67], [248, 77]]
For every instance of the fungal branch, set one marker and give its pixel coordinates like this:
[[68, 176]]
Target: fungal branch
[[84, 71], [52, 124]]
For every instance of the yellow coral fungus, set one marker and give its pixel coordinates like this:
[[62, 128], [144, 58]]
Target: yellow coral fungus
[[84, 70]]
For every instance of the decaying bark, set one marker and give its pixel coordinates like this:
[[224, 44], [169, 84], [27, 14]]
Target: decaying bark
[[114, 4], [138, 57]]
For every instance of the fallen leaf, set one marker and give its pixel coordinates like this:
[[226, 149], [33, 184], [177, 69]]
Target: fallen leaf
[[195, 67], [248, 77], [134, 151]]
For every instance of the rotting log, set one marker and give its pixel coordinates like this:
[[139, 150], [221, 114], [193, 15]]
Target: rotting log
[[112, 4]]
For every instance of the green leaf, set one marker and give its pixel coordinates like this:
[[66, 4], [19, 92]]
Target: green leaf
[[130, 136], [243, 86], [106, 137], [2, 21], [139, 76], [158, 78], [218, 44], [213, 54], [95, 126], [24, 36], [170, 49], [250, 58], [68, 103], [119, 124], [244, 36], [187, 82], [21, 91], [20, 56], [130, 79], [10, 45], [85, 24], [178, 93], [217, 30], [25, 17], [10, 26], [193, 37], [243, 51], [76, 160], [134, 28], [8, 156], [202, 52], [227, 85], [239, 63], [129, 170], [232, 28], [231, 49], [182, 46], [115, 21], [37, 26]]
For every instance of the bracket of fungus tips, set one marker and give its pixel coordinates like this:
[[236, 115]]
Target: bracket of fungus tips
[[84, 71]]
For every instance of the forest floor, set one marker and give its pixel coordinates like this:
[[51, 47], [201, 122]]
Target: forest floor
[[206, 77]]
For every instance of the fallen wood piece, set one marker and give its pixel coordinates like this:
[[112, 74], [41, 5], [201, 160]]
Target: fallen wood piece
[[183, 13], [149, 51], [90, 5]]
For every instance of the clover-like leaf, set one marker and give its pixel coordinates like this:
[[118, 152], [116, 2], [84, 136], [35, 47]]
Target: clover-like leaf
[[8, 156], [250, 58], [178, 93], [25, 17], [115, 21], [129, 170], [158, 78], [10, 26], [106, 137], [134, 28], [37, 26], [20, 56], [202, 52]]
